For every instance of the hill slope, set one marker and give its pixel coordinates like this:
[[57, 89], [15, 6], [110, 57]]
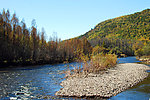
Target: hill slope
[[126, 34], [134, 26]]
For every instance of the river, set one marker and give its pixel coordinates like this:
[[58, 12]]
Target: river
[[41, 82]]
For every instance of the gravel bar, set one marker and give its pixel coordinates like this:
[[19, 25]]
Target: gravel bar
[[110, 83]]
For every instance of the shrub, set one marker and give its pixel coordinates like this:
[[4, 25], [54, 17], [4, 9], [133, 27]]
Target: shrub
[[101, 62], [144, 51], [96, 64]]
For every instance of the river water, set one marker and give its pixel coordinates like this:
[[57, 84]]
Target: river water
[[41, 82]]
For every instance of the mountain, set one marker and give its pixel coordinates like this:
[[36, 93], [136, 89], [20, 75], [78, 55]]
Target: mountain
[[134, 26], [121, 32]]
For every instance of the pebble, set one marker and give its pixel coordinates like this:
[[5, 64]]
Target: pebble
[[110, 83]]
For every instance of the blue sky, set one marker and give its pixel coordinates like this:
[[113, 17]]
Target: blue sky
[[71, 18]]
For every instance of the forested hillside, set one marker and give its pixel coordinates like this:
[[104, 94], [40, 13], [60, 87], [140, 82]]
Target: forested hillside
[[20, 45], [126, 34]]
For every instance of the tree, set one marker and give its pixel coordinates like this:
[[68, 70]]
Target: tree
[[43, 45]]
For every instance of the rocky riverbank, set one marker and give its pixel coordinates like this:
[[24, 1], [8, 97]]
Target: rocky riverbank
[[145, 59], [106, 84]]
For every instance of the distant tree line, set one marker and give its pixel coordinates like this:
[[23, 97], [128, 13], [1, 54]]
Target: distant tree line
[[22, 45], [113, 46]]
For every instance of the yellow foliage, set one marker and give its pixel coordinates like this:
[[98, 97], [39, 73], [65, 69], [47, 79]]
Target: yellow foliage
[[102, 62], [97, 63]]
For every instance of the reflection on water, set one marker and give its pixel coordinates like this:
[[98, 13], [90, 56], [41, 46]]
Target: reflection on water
[[42, 82]]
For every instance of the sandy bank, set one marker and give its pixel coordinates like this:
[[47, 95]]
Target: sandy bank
[[112, 82]]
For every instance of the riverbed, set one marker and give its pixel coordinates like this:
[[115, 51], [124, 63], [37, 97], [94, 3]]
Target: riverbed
[[41, 82]]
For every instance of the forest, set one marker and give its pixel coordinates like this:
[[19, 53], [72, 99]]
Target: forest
[[20, 45], [128, 34]]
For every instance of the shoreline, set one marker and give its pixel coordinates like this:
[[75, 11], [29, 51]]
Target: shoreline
[[108, 84], [144, 59], [28, 64]]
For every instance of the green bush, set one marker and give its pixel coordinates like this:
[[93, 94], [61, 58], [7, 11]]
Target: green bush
[[144, 51]]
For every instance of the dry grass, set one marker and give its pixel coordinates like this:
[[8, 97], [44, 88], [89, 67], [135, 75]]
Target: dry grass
[[102, 62], [98, 63]]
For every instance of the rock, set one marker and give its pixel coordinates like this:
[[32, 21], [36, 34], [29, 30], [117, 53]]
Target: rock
[[13, 98], [20, 93], [110, 83]]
